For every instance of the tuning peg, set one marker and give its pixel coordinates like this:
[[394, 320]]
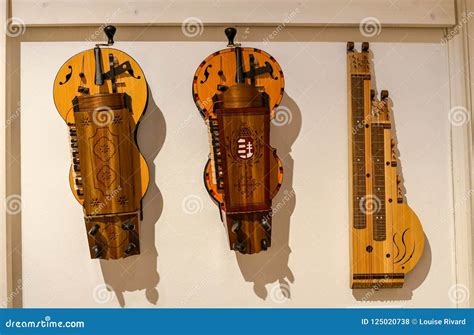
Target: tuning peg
[[222, 88], [264, 244], [350, 46], [383, 95], [239, 247], [130, 248], [128, 226], [392, 143], [235, 227], [110, 32], [372, 94], [399, 180], [365, 46], [82, 89], [97, 251], [230, 33], [265, 224], [94, 229]]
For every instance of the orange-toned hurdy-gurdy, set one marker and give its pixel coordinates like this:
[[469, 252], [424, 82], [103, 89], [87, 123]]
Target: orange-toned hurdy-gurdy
[[387, 239], [101, 94], [236, 90]]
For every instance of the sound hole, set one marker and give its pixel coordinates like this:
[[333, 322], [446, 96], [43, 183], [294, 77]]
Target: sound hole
[[68, 76]]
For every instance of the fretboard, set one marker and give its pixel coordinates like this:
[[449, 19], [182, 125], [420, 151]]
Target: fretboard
[[358, 151], [378, 180]]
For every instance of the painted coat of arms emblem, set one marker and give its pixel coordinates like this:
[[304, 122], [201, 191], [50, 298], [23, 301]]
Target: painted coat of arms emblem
[[245, 144]]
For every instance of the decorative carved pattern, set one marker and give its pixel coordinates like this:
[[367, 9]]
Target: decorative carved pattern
[[104, 149], [106, 175], [247, 185], [95, 202], [85, 121], [123, 200], [117, 119]]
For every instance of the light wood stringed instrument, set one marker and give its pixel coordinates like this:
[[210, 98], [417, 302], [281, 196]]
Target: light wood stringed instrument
[[236, 91], [108, 175], [387, 238]]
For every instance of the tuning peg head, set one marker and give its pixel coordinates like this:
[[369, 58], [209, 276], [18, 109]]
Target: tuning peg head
[[240, 247], [350, 46], [97, 251], [372, 94], [110, 32], [230, 32], [365, 46], [131, 246], [94, 230], [383, 95]]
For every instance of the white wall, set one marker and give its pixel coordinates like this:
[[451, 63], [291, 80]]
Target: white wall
[[185, 260]]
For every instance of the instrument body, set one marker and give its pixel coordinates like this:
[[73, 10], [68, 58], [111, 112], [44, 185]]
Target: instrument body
[[387, 238], [243, 172], [108, 175]]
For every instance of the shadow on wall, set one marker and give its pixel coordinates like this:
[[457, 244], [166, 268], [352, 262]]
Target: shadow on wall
[[140, 272], [272, 265], [413, 280]]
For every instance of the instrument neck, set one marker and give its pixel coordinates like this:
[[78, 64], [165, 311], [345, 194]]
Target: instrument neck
[[239, 70]]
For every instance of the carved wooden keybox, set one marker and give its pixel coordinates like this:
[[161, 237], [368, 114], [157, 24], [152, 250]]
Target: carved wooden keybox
[[108, 175], [387, 239], [236, 90]]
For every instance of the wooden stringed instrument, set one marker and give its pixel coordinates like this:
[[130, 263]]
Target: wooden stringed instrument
[[101, 94], [236, 91], [387, 238]]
